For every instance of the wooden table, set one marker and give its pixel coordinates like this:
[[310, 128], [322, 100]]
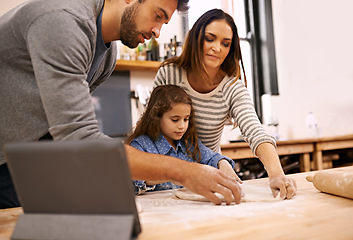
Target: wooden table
[[329, 143], [309, 215], [303, 147], [8, 218]]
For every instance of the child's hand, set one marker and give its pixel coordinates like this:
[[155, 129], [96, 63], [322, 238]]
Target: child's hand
[[225, 167]]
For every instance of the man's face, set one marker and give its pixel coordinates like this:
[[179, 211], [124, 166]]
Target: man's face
[[141, 21]]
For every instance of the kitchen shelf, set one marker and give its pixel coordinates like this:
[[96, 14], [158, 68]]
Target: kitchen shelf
[[128, 65]]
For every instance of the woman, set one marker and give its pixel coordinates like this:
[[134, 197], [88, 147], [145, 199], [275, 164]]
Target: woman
[[209, 71]]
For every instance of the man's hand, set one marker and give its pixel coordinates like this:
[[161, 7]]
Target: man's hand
[[206, 181], [225, 167]]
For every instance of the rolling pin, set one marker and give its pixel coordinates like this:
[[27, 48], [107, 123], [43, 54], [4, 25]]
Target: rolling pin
[[337, 182]]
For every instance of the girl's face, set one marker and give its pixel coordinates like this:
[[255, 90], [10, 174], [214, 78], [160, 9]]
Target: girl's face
[[218, 39], [175, 122]]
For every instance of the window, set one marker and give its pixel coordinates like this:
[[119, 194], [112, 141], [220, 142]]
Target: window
[[259, 27]]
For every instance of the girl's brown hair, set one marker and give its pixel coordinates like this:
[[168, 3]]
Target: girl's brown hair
[[191, 58], [161, 101]]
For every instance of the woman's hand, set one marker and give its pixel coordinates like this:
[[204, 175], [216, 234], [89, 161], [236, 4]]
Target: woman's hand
[[225, 167], [284, 186], [279, 183]]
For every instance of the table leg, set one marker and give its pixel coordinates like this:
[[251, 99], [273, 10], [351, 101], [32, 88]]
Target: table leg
[[304, 162], [317, 159]]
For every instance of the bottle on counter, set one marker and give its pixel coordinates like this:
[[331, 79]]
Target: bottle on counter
[[154, 48], [175, 46], [142, 52], [312, 128], [179, 49], [167, 51], [172, 48]]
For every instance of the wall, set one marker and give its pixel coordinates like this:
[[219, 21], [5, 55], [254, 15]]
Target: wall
[[314, 50], [6, 5]]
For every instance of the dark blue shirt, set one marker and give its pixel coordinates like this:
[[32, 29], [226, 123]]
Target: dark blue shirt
[[101, 49], [162, 146]]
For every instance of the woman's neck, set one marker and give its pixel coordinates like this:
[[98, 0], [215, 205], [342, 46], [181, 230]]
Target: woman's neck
[[213, 79], [215, 76]]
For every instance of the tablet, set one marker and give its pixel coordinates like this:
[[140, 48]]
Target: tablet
[[83, 179]]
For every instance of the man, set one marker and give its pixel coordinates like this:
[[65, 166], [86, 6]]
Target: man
[[53, 54]]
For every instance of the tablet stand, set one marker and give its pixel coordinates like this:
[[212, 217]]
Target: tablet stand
[[36, 226]]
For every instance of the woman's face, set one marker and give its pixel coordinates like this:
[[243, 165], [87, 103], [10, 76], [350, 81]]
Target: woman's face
[[175, 122], [216, 46]]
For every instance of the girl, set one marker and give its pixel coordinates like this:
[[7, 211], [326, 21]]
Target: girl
[[167, 127], [209, 71]]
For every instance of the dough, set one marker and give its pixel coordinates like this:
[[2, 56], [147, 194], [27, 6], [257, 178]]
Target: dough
[[251, 194], [337, 182]]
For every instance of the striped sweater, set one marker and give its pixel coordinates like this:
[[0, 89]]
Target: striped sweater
[[213, 109]]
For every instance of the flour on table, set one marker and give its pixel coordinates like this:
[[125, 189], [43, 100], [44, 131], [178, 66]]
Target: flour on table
[[251, 194], [138, 207]]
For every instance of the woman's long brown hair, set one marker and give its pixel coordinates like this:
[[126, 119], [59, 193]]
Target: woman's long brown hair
[[191, 58], [161, 101]]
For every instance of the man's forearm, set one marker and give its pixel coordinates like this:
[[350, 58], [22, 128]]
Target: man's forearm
[[199, 178], [153, 167]]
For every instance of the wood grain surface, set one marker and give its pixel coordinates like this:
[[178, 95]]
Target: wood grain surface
[[310, 215]]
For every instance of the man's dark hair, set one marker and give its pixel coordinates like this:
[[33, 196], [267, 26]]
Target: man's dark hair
[[182, 5]]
